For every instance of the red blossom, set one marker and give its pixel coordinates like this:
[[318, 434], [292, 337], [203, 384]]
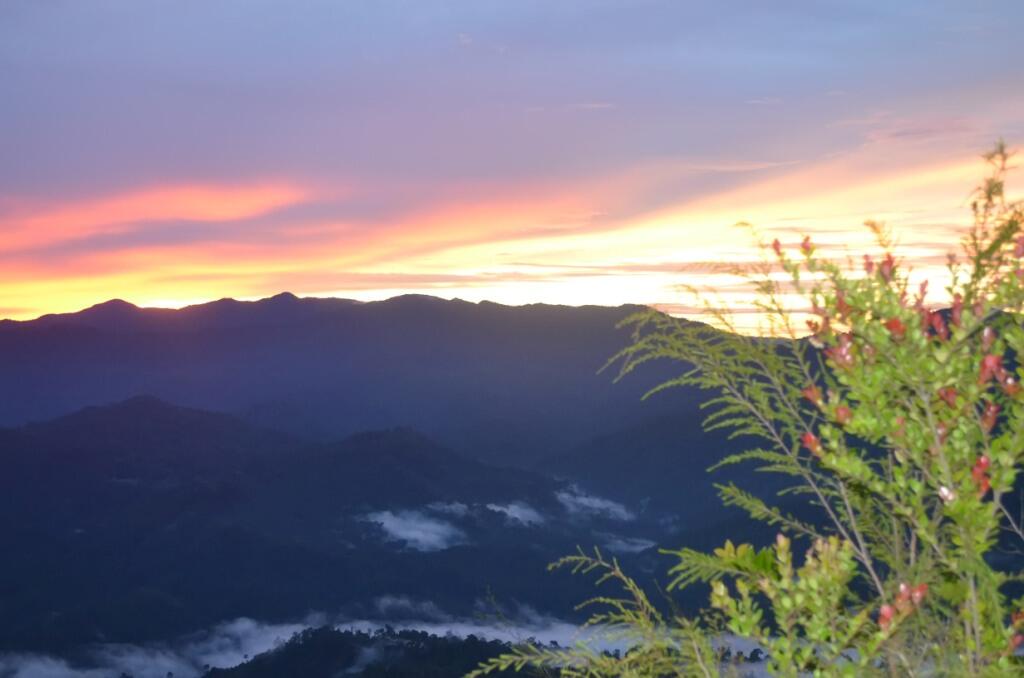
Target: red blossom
[[869, 265], [886, 268], [806, 247], [842, 353], [991, 366], [843, 415], [989, 415], [925, 317], [812, 393], [885, 615], [910, 597], [957, 311], [980, 475], [903, 605], [896, 328], [811, 442], [777, 246], [938, 324]]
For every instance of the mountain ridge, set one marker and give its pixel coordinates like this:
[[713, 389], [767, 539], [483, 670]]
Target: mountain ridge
[[508, 384], [117, 310]]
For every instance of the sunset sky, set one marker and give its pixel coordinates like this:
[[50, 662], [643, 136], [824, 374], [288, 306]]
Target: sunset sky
[[173, 152]]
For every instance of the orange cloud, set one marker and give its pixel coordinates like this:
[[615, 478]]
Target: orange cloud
[[574, 243], [37, 225]]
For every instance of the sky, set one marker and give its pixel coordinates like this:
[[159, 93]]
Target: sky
[[170, 152]]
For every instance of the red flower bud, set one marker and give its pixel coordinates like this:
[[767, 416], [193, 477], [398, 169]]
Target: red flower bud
[[812, 443], [980, 475], [957, 311], [887, 267], [777, 246], [989, 415], [991, 365], [812, 393], [896, 328], [869, 265], [842, 353], [843, 415], [918, 593], [806, 247], [885, 615]]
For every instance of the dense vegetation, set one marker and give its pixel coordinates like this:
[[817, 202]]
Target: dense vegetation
[[901, 423]]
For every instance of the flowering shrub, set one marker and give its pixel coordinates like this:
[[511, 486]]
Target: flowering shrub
[[902, 422]]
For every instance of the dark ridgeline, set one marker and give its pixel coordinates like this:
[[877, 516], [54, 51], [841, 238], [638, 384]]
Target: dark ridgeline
[[510, 385], [327, 653], [141, 520]]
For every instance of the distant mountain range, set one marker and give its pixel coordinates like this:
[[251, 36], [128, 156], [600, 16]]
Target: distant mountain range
[[140, 520], [162, 471], [511, 385]]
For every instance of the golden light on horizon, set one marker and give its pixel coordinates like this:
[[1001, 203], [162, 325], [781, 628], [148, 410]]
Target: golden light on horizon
[[504, 249]]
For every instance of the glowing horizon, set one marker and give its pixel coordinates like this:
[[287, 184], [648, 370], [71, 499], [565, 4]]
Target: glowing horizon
[[474, 155]]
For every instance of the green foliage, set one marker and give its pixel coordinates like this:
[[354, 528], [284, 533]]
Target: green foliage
[[660, 646], [903, 424]]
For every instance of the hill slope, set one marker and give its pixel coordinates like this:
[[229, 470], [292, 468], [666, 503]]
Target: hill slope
[[143, 520], [500, 383]]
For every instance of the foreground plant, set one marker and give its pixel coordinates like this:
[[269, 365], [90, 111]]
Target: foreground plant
[[900, 423]]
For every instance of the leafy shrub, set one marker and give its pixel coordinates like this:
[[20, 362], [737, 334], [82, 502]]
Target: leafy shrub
[[902, 424]]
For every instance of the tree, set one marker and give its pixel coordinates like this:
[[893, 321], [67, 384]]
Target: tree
[[902, 423]]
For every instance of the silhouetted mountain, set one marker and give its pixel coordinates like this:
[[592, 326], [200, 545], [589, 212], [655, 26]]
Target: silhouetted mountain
[[327, 653], [500, 383], [142, 520]]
